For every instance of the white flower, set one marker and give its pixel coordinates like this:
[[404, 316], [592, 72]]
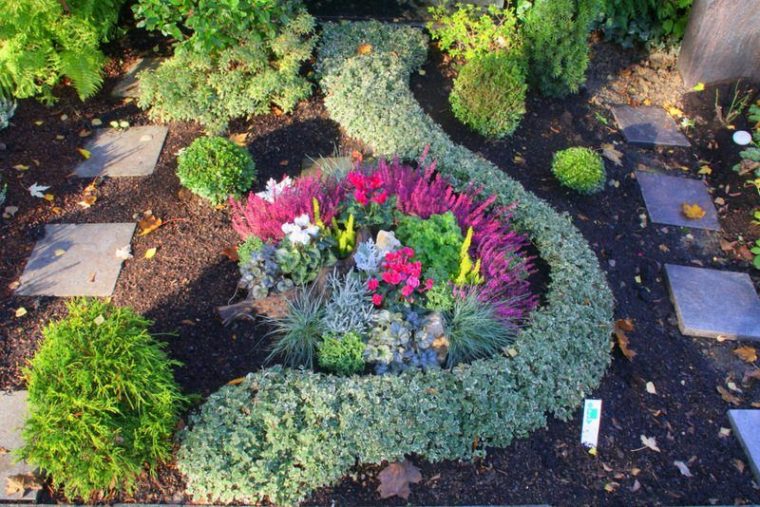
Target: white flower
[[300, 231], [299, 237], [274, 189], [302, 220]]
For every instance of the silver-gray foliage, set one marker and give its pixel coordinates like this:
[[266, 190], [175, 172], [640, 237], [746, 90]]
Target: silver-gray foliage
[[7, 110], [349, 308], [367, 257]]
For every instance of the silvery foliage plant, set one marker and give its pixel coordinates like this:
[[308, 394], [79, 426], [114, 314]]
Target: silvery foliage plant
[[349, 308], [7, 110], [368, 257], [262, 274]]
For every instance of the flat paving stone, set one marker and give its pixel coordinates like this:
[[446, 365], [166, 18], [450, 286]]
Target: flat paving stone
[[665, 196], [129, 86], [7, 469], [714, 303], [76, 260], [130, 152], [746, 424], [13, 413], [648, 126]]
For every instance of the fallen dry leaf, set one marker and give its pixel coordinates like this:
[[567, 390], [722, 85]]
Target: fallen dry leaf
[[728, 397], [635, 486], [746, 353], [231, 253], [148, 224], [611, 487], [681, 466], [124, 253], [239, 139], [21, 167], [724, 432], [21, 311], [650, 443], [87, 201], [396, 478], [150, 253], [739, 464], [85, 153], [705, 169], [21, 483], [364, 49], [650, 388], [49, 197], [751, 375], [610, 153], [236, 381], [692, 211], [623, 326], [674, 111], [59, 252]]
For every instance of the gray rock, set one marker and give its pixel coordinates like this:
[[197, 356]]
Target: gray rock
[[746, 424], [129, 85], [648, 126], [665, 196], [13, 411], [132, 152], [714, 303]]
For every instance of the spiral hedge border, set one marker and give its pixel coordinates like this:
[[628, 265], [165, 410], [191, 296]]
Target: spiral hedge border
[[282, 433]]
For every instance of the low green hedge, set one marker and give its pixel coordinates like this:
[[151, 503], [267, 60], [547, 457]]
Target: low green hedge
[[283, 432]]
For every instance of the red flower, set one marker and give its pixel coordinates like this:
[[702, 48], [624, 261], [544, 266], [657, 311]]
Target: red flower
[[429, 283], [356, 179], [375, 181], [380, 198], [407, 291], [373, 284], [377, 299], [392, 277], [413, 282], [361, 197]]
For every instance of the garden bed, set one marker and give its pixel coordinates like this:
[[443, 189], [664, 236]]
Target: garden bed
[[191, 275]]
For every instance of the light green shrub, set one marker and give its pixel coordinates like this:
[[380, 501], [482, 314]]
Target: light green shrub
[[489, 94], [283, 432], [43, 41], [342, 354], [215, 168], [581, 169], [102, 400], [436, 242]]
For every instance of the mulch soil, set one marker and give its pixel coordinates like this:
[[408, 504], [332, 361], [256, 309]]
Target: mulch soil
[[191, 274]]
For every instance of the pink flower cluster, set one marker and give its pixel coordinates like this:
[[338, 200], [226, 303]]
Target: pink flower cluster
[[367, 188], [399, 271]]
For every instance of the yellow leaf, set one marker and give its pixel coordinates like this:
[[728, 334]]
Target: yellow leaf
[[699, 87], [236, 381], [692, 211], [21, 311], [611, 487], [39, 122], [705, 169], [21, 167], [239, 139], [728, 397], [647, 102], [85, 154], [746, 353], [49, 197], [99, 320], [364, 49], [149, 224], [637, 278], [150, 253], [59, 252], [623, 326], [87, 201], [674, 111]]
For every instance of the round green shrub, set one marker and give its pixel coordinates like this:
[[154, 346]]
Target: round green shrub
[[215, 168], [581, 169], [489, 94], [103, 402], [341, 355]]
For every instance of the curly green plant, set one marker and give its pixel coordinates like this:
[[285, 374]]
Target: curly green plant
[[302, 263], [581, 169], [436, 242], [247, 248], [215, 168], [102, 398], [440, 298], [489, 94], [341, 355], [44, 41]]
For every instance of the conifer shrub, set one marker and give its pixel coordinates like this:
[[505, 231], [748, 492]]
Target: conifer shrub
[[341, 354], [103, 402], [489, 94], [581, 169], [44, 41], [215, 168]]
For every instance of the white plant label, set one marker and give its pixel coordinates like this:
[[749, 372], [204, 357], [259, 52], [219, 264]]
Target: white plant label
[[592, 417]]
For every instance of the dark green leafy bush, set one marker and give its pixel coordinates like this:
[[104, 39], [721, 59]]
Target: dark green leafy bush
[[103, 401], [341, 355], [215, 168], [581, 169], [43, 41], [556, 39], [489, 94], [436, 242], [239, 59], [652, 22]]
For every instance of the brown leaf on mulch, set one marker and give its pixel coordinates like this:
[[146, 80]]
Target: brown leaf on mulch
[[746, 353], [395, 479], [728, 397], [623, 326]]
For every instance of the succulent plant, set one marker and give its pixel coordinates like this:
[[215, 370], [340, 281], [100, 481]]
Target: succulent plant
[[392, 346]]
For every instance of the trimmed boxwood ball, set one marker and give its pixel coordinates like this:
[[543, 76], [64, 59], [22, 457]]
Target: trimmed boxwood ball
[[489, 94], [283, 432], [581, 169], [215, 168]]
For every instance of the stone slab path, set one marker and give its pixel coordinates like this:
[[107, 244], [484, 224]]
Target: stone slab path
[[129, 86], [746, 424], [130, 152], [13, 411], [648, 126], [665, 196], [712, 303], [76, 260]]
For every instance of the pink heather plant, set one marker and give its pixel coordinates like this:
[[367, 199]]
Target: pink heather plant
[[260, 217]]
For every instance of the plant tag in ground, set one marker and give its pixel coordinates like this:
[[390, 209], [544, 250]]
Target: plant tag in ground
[[592, 418]]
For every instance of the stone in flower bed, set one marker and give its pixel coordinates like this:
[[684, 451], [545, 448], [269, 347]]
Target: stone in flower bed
[[424, 275]]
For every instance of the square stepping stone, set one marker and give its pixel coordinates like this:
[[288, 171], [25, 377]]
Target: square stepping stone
[[131, 152], [9, 468], [331, 166], [13, 413], [746, 424], [76, 260], [665, 196], [129, 85], [714, 303], [648, 126]]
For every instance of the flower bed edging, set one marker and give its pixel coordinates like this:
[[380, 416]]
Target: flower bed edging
[[282, 433]]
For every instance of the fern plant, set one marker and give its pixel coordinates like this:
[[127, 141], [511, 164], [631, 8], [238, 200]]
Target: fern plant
[[44, 41]]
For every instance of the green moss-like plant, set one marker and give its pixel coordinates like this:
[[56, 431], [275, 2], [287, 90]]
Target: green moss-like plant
[[581, 169], [436, 242], [284, 432], [215, 168], [103, 402], [489, 94], [341, 355], [247, 248]]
